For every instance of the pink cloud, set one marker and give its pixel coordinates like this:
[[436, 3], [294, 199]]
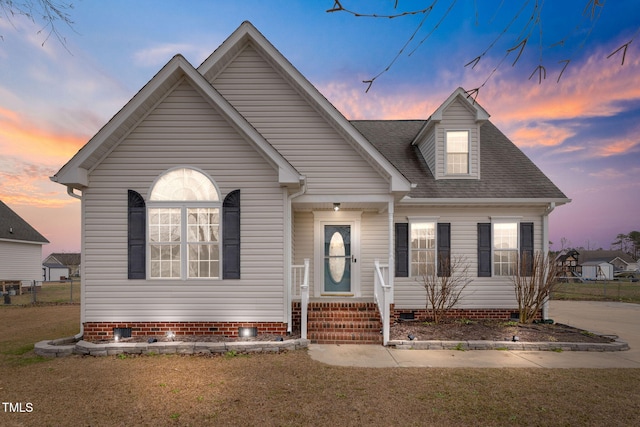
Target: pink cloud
[[21, 137], [531, 114]]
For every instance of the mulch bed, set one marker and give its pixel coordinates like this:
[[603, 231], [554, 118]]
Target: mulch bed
[[492, 330]]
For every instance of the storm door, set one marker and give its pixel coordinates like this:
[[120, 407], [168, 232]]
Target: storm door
[[338, 258]]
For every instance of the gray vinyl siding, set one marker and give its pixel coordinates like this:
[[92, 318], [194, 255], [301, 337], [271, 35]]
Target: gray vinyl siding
[[184, 130], [428, 150], [20, 261], [299, 132], [483, 292]]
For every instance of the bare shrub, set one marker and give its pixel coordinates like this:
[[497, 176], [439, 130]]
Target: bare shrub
[[534, 279], [445, 284]]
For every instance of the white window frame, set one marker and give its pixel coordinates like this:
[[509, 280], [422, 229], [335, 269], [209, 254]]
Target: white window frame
[[184, 243], [494, 249], [448, 153], [423, 220]]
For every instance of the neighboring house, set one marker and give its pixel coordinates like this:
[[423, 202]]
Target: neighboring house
[[20, 248], [70, 260], [597, 270], [567, 263], [205, 194], [54, 272], [620, 260]]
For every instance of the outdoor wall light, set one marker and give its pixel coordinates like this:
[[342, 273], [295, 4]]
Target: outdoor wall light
[[336, 207], [247, 332]]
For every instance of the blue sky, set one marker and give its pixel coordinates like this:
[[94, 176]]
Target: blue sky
[[583, 131]]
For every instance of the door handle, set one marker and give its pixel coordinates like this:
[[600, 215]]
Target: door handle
[[353, 259]]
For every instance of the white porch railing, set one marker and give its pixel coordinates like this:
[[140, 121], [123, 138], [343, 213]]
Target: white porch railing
[[383, 294], [300, 288]]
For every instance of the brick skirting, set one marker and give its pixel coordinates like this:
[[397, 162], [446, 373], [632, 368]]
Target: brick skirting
[[98, 331]]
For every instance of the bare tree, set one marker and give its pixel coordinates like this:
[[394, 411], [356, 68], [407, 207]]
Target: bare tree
[[445, 284], [534, 280], [528, 19], [48, 13]]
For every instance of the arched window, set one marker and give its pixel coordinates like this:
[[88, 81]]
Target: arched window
[[184, 226]]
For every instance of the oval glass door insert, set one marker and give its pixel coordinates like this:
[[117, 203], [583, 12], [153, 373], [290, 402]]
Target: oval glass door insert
[[336, 257]]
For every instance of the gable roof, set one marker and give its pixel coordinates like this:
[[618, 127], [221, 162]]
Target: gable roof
[[74, 174], [65, 258], [247, 33], [480, 114], [506, 172], [607, 256], [14, 228]]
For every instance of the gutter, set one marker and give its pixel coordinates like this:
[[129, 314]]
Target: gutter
[[80, 334]]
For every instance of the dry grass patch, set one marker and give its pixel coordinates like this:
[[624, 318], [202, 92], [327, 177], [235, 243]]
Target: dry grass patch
[[290, 389]]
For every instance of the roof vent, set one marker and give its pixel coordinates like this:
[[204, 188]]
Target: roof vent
[[10, 230]]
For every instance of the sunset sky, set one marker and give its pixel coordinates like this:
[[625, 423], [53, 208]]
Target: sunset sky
[[583, 131]]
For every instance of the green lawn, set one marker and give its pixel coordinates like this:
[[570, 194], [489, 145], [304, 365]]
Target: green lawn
[[614, 290], [49, 292]]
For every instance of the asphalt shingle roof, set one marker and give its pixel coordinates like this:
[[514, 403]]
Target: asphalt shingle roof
[[13, 227], [505, 171]]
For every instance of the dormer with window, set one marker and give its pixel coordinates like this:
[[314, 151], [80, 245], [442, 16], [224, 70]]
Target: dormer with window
[[450, 139]]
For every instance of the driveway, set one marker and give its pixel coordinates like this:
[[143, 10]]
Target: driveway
[[611, 318]]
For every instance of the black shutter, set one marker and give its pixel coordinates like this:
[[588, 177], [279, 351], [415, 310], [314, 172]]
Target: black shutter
[[484, 250], [231, 236], [444, 249], [526, 247], [136, 240], [402, 249]]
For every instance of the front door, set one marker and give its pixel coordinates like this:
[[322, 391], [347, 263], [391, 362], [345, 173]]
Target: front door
[[338, 258]]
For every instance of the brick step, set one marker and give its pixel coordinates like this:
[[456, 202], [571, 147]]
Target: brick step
[[343, 324], [327, 337]]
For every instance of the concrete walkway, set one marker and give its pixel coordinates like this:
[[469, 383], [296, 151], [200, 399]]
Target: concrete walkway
[[611, 318]]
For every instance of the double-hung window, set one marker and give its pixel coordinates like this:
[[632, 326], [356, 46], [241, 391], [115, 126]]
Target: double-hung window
[[505, 248], [184, 226], [423, 248], [457, 143]]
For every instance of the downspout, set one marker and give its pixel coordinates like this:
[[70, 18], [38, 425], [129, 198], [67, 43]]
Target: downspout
[[80, 334], [545, 249], [288, 255], [391, 269]]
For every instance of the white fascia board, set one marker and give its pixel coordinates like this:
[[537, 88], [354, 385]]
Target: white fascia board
[[76, 177], [346, 198], [480, 201], [29, 242]]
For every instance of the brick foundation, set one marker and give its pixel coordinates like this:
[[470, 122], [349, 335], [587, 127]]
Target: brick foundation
[[97, 331]]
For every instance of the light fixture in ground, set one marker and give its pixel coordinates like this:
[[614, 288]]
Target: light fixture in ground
[[247, 332]]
